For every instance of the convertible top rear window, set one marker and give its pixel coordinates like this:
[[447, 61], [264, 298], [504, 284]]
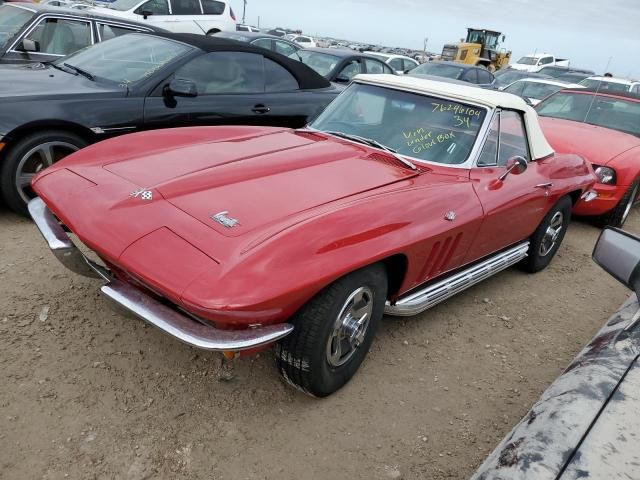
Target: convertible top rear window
[[419, 126]]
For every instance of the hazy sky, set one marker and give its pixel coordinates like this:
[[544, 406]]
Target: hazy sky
[[588, 32]]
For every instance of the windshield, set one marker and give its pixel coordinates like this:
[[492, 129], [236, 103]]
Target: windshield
[[439, 70], [615, 113], [124, 5], [505, 77], [535, 90], [12, 19], [419, 126], [605, 86], [322, 63], [528, 61], [490, 40], [126, 59]]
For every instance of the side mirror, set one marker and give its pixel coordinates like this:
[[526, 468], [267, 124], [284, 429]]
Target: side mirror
[[515, 166], [342, 79], [503, 37], [29, 46], [180, 87], [618, 253], [146, 13]]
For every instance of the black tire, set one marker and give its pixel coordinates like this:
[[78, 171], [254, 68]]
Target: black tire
[[304, 357], [543, 245], [617, 216], [56, 142], [212, 33]]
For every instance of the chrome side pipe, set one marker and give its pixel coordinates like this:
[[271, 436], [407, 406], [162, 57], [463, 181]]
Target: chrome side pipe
[[439, 291]]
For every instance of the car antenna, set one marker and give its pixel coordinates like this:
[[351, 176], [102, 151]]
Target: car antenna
[[595, 94]]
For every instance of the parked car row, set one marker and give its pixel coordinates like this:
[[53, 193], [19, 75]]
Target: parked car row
[[336, 205]]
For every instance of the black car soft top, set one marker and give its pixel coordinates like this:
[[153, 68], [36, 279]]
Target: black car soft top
[[306, 76]]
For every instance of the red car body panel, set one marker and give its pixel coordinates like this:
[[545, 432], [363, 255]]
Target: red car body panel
[[310, 207], [600, 146]]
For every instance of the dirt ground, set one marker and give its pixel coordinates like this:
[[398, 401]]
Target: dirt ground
[[86, 393]]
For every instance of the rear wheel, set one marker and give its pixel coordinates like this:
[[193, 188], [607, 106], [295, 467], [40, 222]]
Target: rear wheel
[[211, 33], [546, 240], [333, 332], [619, 215], [28, 157]]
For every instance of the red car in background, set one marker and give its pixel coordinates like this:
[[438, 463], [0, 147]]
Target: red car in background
[[402, 193], [603, 128]]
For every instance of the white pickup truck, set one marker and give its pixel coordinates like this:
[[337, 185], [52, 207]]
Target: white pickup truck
[[535, 61]]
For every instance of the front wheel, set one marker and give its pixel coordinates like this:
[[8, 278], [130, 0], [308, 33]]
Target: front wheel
[[546, 240], [29, 156], [333, 332]]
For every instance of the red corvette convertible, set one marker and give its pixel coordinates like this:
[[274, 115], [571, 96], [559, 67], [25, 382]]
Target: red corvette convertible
[[402, 193], [603, 128]]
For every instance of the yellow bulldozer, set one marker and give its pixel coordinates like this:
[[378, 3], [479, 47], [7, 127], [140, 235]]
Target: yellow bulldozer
[[479, 48]]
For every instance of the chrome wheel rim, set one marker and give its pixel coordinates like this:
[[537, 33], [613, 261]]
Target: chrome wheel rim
[[350, 327], [550, 237], [37, 159], [630, 203]]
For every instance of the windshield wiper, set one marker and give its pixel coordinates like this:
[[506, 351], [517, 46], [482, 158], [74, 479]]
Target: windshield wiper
[[374, 143], [84, 73], [58, 67]]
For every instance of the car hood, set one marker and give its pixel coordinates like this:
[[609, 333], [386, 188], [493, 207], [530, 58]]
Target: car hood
[[599, 145], [40, 81], [260, 180], [263, 178]]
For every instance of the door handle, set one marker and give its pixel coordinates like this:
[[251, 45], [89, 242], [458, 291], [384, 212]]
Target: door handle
[[544, 185], [260, 109]]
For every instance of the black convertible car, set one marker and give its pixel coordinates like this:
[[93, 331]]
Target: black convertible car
[[138, 82]]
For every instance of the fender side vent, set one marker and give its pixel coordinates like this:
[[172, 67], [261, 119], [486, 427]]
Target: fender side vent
[[440, 256]]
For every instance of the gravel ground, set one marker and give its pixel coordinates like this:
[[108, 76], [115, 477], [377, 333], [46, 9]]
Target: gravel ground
[[86, 393]]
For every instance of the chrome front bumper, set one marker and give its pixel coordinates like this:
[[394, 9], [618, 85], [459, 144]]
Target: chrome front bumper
[[135, 301]]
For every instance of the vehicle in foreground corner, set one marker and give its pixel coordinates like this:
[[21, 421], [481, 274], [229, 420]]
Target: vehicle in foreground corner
[[143, 82], [603, 128], [475, 75], [201, 17], [340, 66], [400, 194], [36, 33], [537, 89], [585, 425]]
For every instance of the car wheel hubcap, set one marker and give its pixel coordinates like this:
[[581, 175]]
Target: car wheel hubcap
[[37, 159], [551, 235], [630, 203], [350, 327]]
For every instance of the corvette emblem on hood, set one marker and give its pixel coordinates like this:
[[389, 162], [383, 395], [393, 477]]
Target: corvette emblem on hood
[[143, 193], [224, 220]]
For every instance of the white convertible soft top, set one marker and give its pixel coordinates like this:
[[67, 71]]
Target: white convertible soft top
[[540, 148]]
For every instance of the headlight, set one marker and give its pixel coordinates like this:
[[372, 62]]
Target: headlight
[[605, 175]]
